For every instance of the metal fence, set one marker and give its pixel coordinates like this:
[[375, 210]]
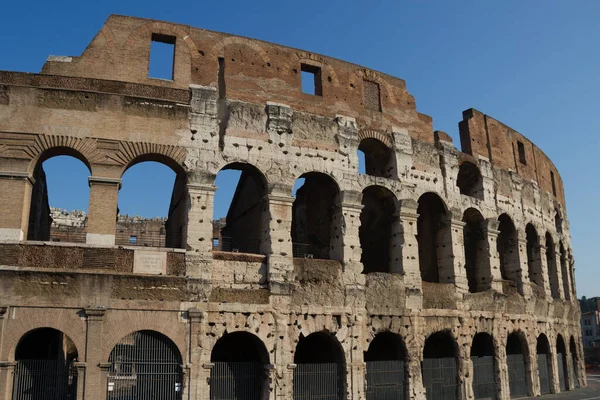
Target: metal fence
[[237, 245], [542, 360], [385, 380], [237, 381], [484, 379], [560, 361], [44, 380], [516, 375], [440, 378], [306, 250], [319, 381], [145, 365]]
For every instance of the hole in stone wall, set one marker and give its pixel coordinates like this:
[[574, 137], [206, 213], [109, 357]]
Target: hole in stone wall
[[470, 181], [521, 150], [432, 213], [553, 183], [533, 256], [162, 57], [311, 80], [506, 245], [552, 268], [385, 346], [478, 274], [375, 232], [557, 221], [378, 158], [565, 271]]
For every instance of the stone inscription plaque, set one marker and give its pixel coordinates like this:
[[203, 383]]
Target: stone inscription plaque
[[150, 262]]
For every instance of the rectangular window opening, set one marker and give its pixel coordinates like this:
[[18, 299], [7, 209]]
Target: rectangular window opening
[[311, 80], [372, 96], [521, 148], [132, 239], [162, 57], [553, 183]]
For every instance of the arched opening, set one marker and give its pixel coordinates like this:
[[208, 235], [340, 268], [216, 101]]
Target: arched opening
[[565, 271], [240, 216], [320, 371], [239, 360], [59, 197], [534, 264], [516, 360], [508, 251], [386, 367], [574, 363], [561, 361], [430, 236], [439, 369], [377, 225], [476, 261], [470, 181], [544, 364], [147, 214], [552, 268], [378, 158], [145, 365], [558, 222], [45, 366], [314, 215], [484, 369]]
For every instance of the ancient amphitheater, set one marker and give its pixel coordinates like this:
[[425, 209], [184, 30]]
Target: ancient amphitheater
[[437, 274]]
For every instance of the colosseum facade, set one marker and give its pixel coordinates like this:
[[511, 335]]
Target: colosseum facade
[[435, 273]]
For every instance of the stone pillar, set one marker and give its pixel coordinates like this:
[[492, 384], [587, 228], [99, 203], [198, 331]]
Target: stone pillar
[[523, 282], [80, 379], [451, 253], [501, 367], [414, 358], [465, 371], [199, 232], [396, 245], [491, 233], [345, 240], [407, 241], [541, 250], [7, 371], [15, 197], [102, 216], [195, 317], [553, 372], [283, 374], [559, 277], [280, 225], [566, 281], [96, 374], [531, 372], [535, 388], [570, 383]]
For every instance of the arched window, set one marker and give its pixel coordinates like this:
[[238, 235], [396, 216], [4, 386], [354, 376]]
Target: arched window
[[320, 371], [470, 181], [484, 368], [533, 256], [377, 224], [386, 367], [517, 362], [508, 251], [378, 159], [439, 359], [430, 235], [476, 260], [544, 364], [59, 197], [552, 267], [565, 271], [558, 222], [239, 372], [144, 365], [152, 207], [313, 213], [240, 216], [44, 366], [561, 360]]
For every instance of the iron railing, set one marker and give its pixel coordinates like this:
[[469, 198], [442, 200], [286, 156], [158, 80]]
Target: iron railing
[[306, 250], [45, 380], [67, 236], [484, 378], [516, 375], [440, 378], [237, 245], [237, 381], [385, 380], [148, 239], [323, 381], [542, 360]]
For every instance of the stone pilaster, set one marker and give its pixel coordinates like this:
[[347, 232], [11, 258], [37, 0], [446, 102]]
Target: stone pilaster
[[280, 225], [96, 371], [345, 240], [195, 318], [199, 222], [451, 253], [204, 121], [414, 358], [523, 282], [102, 217], [559, 278], [80, 366], [407, 240], [7, 372], [15, 197], [490, 233], [279, 123], [541, 250]]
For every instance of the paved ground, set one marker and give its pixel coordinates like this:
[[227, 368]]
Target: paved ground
[[592, 392]]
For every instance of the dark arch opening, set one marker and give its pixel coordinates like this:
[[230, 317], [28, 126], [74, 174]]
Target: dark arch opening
[[440, 345], [157, 223], [558, 222], [439, 359], [544, 363], [145, 364], [534, 264], [574, 362], [320, 367], [313, 216], [44, 366], [516, 360], [239, 367], [476, 262], [240, 216], [508, 250], [552, 267], [432, 214], [376, 226], [565, 271], [386, 367], [470, 181], [379, 159], [386, 346], [59, 197], [561, 358], [484, 367]]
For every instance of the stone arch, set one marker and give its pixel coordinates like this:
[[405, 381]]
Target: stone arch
[[166, 156], [517, 358], [469, 180], [552, 266], [369, 75], [381, 137], [219, 47], [508, 251], [544, 362], [574, 362], [561, 360], [432, 230], [313, 59], [60, 150], [165, 29], [379, 158], [386, 365], [477, 262], [564, 268], [483, 357], [440, 353], [534, 262]]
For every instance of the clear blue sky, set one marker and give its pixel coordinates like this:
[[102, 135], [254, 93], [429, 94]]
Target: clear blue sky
[[534, 65]]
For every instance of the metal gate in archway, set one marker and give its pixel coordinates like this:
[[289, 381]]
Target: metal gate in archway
[[44, 380], [322, 381], [440, 378], [145, 365], [542, 360], [560, 361], [237, 381], [517, 381], [385, 380], [484, 379]]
